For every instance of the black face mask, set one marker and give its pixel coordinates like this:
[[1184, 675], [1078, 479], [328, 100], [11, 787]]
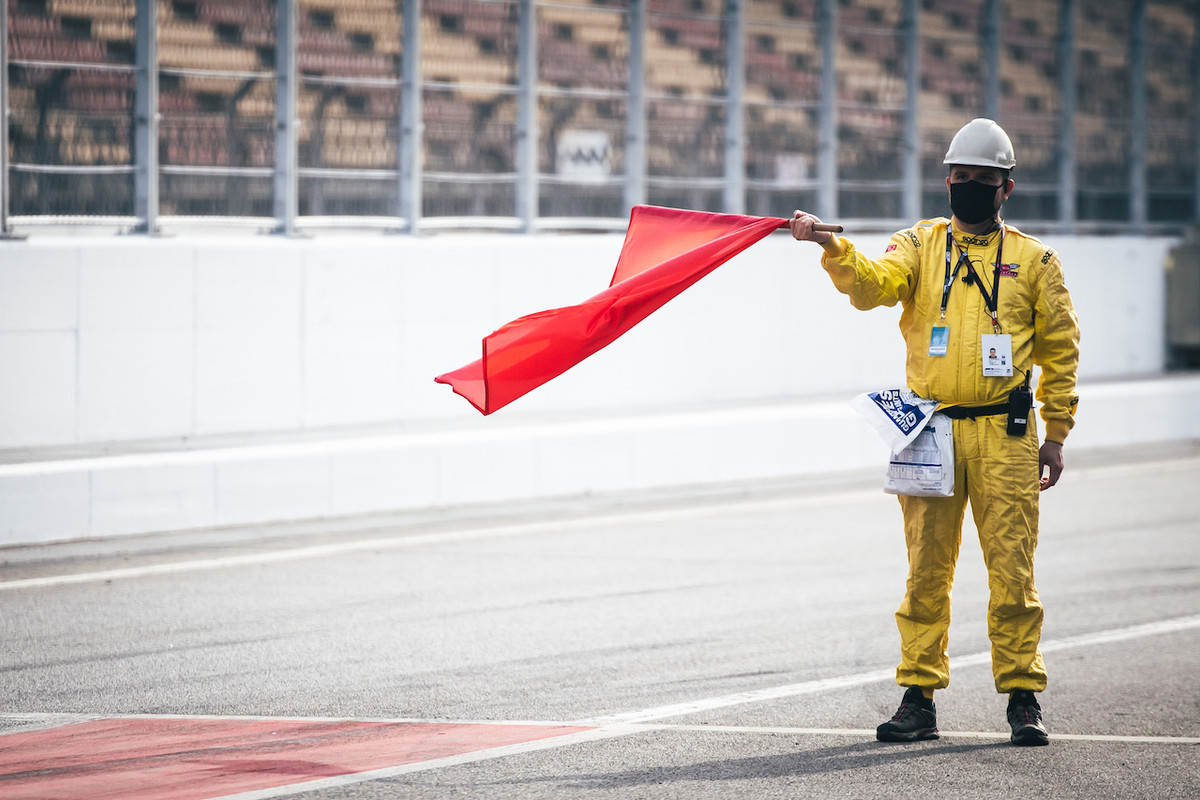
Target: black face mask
[[973, 202]]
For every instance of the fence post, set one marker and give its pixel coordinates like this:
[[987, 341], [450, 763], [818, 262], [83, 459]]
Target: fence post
[[145, 120], [734, 200], [286, 187], [527, 131], [635, 109], [911, 199], [991, 39], [1138, 212], [411, 118], [1196, 127], [5, 230], [827, 145], [1066, 117]]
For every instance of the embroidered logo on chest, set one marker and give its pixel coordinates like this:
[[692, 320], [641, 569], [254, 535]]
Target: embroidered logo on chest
[[1009, 270]]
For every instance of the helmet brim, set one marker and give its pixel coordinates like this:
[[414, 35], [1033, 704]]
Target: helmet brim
[[979, 162]]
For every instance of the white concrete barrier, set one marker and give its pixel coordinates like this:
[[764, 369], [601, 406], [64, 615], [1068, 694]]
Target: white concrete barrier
[[162, 384], [107, 495]]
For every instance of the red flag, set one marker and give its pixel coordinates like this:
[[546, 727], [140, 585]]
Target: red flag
[[666, 250]]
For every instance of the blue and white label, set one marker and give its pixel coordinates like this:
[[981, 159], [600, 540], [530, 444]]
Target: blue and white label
[[898, 415]]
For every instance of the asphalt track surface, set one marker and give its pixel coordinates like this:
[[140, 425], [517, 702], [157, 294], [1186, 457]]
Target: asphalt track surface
[[732, 642]]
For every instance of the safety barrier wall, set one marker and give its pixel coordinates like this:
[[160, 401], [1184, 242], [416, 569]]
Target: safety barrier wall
[[152, 384]]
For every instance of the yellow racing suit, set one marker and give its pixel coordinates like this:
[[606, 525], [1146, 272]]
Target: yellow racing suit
[[996, 472]]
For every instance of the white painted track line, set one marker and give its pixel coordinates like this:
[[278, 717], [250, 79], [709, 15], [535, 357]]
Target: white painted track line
[[42, 721], [613, 731], [860, 732], [695, 509], [437, 763], [483, 532], [876, 676], [646, 720]]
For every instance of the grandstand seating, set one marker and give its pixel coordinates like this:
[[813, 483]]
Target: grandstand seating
[[469, 54], [1171, 91]]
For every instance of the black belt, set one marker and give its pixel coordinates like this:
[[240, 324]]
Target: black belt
[[971, 412]]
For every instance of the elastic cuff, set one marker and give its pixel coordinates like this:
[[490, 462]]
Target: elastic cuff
[[1057, 430]]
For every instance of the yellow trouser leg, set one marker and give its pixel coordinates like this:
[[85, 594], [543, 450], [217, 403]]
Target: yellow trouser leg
[[932, 532], [998, 473], [1004, 504]]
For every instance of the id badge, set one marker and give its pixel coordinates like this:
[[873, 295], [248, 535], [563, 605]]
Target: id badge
[[997, 355], [939, 338]]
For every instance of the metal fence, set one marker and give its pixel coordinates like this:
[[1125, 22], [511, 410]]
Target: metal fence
[[417, 114]]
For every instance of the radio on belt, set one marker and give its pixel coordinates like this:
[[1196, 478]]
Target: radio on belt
[[1020, 401]]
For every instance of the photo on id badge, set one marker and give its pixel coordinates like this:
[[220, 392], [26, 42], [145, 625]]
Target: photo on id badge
[[997, 355]]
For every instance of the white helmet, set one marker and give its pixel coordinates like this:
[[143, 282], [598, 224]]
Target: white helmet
[[981, 143]]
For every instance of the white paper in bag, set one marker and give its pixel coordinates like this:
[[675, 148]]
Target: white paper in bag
[[925, 468]]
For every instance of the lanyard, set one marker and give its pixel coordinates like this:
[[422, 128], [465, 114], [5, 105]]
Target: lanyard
[[992, 300]]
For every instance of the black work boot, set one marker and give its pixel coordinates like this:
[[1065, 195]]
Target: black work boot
[[1025, 717], [916, 719]]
